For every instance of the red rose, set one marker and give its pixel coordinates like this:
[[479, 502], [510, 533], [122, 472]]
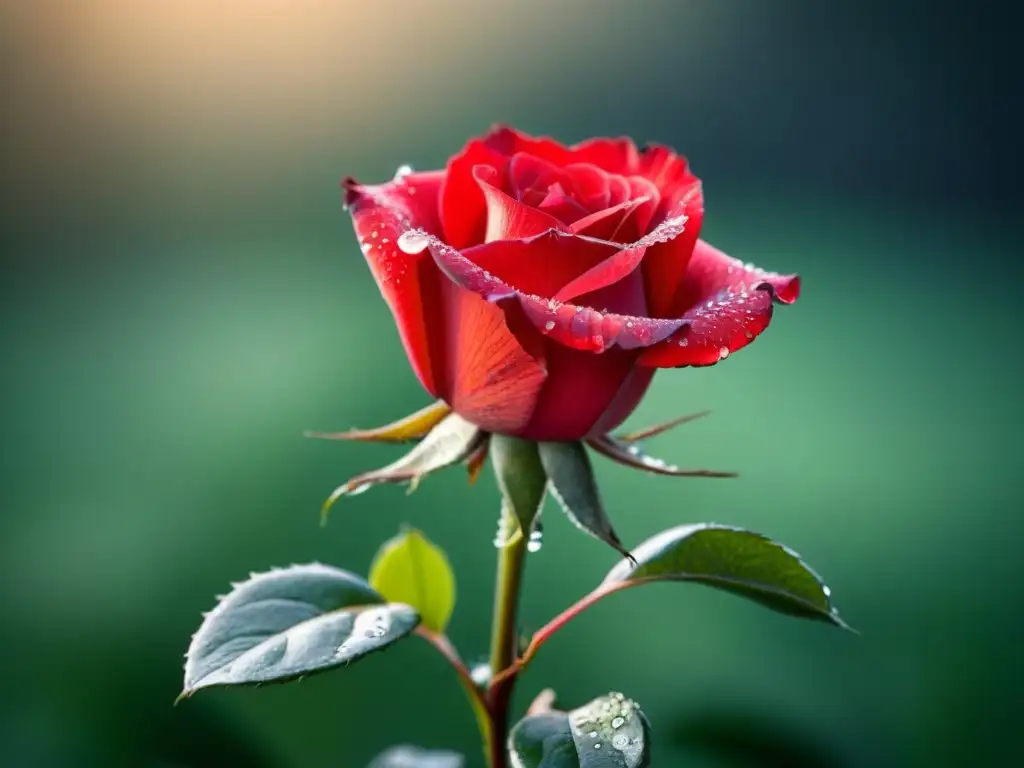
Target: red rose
[[537, 287]]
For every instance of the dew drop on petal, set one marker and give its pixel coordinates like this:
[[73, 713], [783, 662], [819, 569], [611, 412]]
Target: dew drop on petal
[[723, 352], [413, 242]]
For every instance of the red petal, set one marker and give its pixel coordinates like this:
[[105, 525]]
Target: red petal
[[618, 155], [579, 391], [665, 263], [491, 380], [610, 224], [508, 219], [574, 326], [463, 206], [666, 169], [404, 280], [730, 305], [542, 264], [603, 275], [507, 141]]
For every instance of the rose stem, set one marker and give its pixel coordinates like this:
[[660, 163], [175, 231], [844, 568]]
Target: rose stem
[[504, 638]]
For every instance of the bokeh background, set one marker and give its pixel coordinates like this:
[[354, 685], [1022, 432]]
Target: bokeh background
[[182, 296]]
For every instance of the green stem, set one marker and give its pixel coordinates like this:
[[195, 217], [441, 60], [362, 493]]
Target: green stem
[[504, 638]]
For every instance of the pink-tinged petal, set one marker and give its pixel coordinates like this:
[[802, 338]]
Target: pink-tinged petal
[[666, 263], [729, 305], [463, 207], [542, 264], [508, 219], [618, 155], [491, 379], [407, 282]]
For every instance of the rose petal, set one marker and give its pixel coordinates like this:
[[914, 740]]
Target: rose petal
[[463, 207], [730, 304], [609, 224], [506, 140], [508, 219], [580, 389], [672, 228], [403, 279], [574, 326], [542, 264], [493, 381], [665, 263], [618, 155], [666, 169], [640, 187]]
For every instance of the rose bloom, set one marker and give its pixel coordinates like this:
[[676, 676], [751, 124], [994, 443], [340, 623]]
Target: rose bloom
[[537, 287]]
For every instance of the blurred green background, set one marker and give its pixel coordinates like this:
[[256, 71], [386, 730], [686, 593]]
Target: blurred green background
[[182, 296]]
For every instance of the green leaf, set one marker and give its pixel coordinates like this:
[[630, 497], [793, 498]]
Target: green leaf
[[411, 569], [289, 623], [521, 478], [414, 757], [609, 732], [571, 479], [731, 559]]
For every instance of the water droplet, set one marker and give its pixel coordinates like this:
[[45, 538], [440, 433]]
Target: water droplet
[[629, 323], [749, 335], [413, 242], [617, 722], [549, 325], [402, 172], [723, 353], [374, 234], [592, 734], [536, 541], [481, 674], [827, 592], [597, 745]]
